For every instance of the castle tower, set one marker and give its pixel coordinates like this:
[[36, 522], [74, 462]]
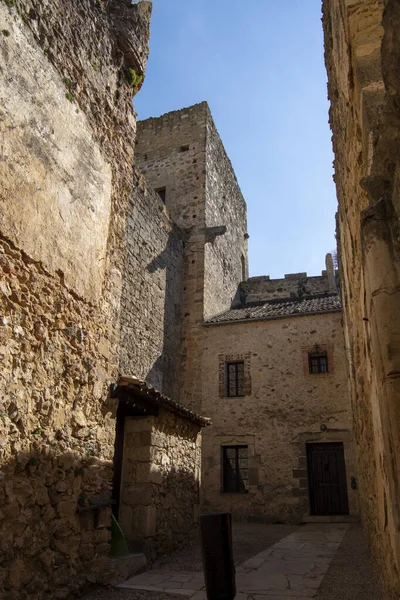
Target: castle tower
[[183, 158]]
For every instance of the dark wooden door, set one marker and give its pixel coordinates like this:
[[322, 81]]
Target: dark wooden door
[[327, 479], [118, 456]]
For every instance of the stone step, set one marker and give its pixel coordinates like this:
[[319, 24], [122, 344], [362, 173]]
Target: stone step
[[124, 567], [330, 519]]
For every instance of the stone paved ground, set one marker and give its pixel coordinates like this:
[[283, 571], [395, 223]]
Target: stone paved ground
[[351, 576], [276, 562]]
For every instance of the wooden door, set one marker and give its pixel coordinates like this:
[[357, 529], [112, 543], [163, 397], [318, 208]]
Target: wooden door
[[327, 479], [118, 457]]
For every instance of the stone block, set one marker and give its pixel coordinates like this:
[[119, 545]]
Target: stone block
[[19, 575], [145, 438], [144, 520], [124, 567], [297, 473], [158, 439], [148, 473], [299, 493], [66, 508], [156, 475], [103, 519], [86, 552], [138, 424], [136, 453], [137, 494], [253, 476], [125, 519]]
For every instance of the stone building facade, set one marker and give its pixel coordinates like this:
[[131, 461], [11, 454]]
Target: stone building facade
[[282, 412], [229, 319], [157, 468], [362, 50]]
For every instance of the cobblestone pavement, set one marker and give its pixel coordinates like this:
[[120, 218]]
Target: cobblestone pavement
[[276, 562]]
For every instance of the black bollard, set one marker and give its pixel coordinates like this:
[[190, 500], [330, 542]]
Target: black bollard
[[219, 568]]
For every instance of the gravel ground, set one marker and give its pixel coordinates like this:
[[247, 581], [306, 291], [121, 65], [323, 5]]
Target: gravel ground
[[248, 539], [351, 575]]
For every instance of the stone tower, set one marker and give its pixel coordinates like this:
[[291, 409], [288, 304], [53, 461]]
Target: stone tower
[[183, 158]]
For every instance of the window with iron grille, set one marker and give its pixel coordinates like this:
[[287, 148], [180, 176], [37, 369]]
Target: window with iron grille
[[235, 379], [235, 469], [318, 362]]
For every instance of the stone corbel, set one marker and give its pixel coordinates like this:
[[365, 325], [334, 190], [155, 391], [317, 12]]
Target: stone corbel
[[212, 232]]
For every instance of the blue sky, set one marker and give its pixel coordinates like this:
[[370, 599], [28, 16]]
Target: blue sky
[[260, 67]]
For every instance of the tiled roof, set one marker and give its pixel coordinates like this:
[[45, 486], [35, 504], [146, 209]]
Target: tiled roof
[[279, 308], [144, 390]]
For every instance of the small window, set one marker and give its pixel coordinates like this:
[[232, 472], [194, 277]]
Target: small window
[[235, 469], [184, 148], [162, 193], [318, 361], [235, 379]]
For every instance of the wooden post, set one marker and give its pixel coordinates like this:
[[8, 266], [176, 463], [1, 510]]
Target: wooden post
[[219, 568]]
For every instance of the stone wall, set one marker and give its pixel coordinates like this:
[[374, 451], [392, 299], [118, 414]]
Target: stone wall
[[296, 285], [160, 481], [56, 431], [152, 294], [226, 256], [362, 49], [67, 126], [282, 410], [170, 151]]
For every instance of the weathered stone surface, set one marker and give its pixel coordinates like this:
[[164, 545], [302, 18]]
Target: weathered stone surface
[[226, 258], [53, 187], [153, 284], [159, 496], [67, 127], [361, 49], [182, 152], [297, 285]]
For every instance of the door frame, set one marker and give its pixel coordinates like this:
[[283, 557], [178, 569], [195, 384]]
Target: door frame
[[300, 470], [342, 497]]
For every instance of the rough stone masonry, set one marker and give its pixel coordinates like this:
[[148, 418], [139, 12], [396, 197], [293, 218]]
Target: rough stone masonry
[[182, 154], [362, 50], [68, 73], [92, 289], [100, 277], [264, 328]]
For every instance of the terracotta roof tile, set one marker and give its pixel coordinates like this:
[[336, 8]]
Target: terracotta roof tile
[[151, 395], [283, 307]]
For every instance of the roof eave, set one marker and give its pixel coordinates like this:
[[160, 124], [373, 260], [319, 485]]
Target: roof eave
[[155, 397], [273, 318]]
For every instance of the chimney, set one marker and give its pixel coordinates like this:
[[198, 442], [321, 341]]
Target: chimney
[[330, 272]]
